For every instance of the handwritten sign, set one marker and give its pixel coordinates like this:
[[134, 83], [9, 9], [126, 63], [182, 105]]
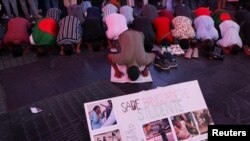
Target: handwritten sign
[[173, 113]]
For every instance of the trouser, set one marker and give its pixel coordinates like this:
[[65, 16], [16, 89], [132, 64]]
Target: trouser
[[32, 5], [13, 4], [51, 4], [191, 3]]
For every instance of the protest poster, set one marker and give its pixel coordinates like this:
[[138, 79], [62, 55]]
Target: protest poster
[[172, 113]]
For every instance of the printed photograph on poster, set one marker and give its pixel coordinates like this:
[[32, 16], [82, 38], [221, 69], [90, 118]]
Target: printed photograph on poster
[[184, 126], [203, 119], [159, 130], [101, 114], [108, 136]]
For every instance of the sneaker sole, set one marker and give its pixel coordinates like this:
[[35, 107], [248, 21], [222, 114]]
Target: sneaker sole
[[162, 67]]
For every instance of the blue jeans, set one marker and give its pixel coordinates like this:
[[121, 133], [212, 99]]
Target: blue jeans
[[51, 4]]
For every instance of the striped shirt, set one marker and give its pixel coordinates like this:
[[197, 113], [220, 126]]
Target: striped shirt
[[70, 31], [109, 9], [54, 13], [127, 11]]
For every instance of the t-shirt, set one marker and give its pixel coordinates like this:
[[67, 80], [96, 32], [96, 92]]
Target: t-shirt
[[54, 13], [94, 12], [230, 34], [17, 30], [149, 11], [116, 24], [70, 31], [183, 10], [205, 28], [109, 9], [163, 30], [93, 30], [132, 50], [145, 26], [182, 28], [127, 11]]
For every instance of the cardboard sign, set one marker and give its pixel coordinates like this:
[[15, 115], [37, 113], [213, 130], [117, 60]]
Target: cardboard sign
[[172, 113]]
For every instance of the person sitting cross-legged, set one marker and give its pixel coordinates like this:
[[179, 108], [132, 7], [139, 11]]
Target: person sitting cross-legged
[[132, 55]]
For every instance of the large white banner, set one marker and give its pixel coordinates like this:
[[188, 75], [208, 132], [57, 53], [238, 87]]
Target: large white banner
[[172, 113]]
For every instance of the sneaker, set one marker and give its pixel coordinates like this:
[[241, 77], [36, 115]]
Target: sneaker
[[171, 64], [161, 64], [216, 54], [169, 56], [195, 53], [189, 53], [177, 50]]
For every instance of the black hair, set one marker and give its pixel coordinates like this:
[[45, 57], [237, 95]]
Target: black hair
[[42, 50], [96, 45], [133, 73], [235, 49], [208, 44], [68, 49], [184, 43], [95, 108], [17, 50]]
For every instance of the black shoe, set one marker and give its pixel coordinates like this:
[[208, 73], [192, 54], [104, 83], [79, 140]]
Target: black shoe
[[161, 64], [169, 56], [171, 64]]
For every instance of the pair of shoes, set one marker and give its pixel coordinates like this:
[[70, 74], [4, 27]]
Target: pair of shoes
[[161, 64], [216, 54], [168, 56], [171, 64], [192, 53], [177, 50]]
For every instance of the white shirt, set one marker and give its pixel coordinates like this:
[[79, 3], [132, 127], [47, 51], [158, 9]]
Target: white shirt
[[230, 34], [127, 11], [205, 29], [116, 24]]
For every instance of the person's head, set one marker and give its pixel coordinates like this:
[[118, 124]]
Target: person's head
[[97, 109], [184, 43], [113, 133], [110, 103], [68, 49], [133, 73], [17, 50], [96, 45], [235, 49], [42, 50]]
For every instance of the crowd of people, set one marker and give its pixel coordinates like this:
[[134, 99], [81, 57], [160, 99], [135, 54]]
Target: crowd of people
[[130, 28]]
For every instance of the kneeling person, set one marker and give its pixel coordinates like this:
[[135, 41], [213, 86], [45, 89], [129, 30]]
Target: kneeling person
[[70, 35], [132, 55], [44, 35]]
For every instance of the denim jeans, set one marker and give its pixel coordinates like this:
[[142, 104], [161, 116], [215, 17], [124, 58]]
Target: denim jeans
[[51, 4]]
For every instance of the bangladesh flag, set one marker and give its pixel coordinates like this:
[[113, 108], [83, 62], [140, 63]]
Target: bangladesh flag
[[221, 16], [45, 32]]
